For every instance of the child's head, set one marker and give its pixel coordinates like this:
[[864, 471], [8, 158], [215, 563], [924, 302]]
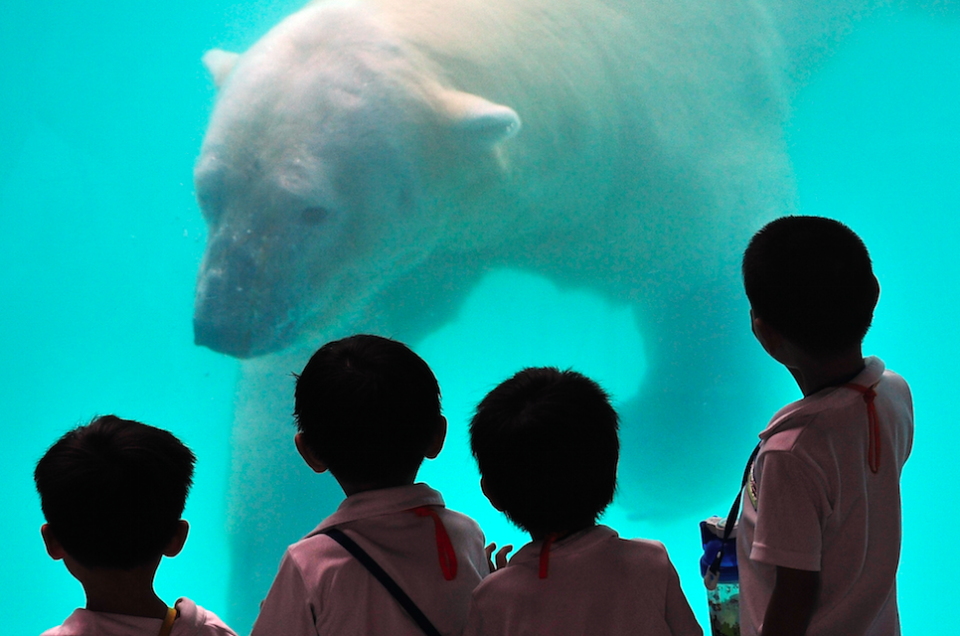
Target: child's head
[[810, 278], [113, 491], [546, 444], [368, 408]]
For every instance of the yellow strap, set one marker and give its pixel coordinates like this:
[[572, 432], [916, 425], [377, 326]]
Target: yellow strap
[[168, 621]]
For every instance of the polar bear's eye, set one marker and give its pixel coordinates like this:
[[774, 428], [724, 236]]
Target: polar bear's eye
[[313, 215]]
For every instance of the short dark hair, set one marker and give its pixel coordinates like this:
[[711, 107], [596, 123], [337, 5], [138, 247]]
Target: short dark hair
[[811, 279], [368, 407], [547, 447], [113, 491]]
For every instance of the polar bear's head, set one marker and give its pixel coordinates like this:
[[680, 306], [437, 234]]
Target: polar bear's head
[[323, 175]]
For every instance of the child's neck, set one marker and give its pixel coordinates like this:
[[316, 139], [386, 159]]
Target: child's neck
[[116, 591], [140, 603], [559, 535], [357, 487], [815, 374]]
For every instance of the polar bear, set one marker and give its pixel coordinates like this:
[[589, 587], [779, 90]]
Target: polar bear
[[368, 161], [357, 141]]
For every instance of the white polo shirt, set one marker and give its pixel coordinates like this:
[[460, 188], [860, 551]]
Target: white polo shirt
[[192, 620], [596, 583], [813, 503], [321, 589]]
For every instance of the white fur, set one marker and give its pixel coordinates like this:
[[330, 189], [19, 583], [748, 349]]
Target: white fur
[[402, 121], [367, 162]]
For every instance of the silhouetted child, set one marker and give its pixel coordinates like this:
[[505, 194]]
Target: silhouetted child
[[112, 494], [368, 410], [819, 535], [547, 446]]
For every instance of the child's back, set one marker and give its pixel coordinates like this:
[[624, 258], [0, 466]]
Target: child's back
[[112, 493], [320, 588], [819, 535], [595, 583], [368, 410], [823, 510], [546, 443]]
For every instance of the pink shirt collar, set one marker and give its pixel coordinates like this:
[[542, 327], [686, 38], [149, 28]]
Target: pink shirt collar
[[828, 398], [382, 501]]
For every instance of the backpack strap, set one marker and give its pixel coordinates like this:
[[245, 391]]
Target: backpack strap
[[385, 579], [712, 576]]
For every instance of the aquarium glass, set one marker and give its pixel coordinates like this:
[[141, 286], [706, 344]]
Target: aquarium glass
[[103, 111]]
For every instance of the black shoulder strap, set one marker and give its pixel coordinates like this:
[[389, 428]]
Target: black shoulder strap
[[732, 516], [380, 574], [735, 508]]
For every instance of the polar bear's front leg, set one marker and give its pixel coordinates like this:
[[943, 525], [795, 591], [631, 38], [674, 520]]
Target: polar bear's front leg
[[687, 432], [274, 498]]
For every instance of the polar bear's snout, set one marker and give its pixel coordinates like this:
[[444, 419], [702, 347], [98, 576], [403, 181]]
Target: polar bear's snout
[[234, 313]]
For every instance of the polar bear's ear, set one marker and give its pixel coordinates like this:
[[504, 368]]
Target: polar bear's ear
[[480, 122], [219, 63]]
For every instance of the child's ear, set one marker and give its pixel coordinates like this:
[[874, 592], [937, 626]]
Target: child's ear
[[307, 454], [54, 549], [436, 444], [768, 337], [177, 540], [490, 496]]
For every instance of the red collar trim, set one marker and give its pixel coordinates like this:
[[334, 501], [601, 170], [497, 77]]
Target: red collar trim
[[873, 443], [445, 551]]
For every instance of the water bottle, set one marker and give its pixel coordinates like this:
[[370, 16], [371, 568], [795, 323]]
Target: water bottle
[[723, 587]]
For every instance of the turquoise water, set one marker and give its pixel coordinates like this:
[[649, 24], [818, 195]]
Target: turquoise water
[[103, 112]]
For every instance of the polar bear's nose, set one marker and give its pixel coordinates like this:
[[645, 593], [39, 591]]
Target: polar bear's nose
[[209, 334], [239, 309], [222, 307]]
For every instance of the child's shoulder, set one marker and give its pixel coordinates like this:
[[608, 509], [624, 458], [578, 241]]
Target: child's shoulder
[[392, 516], [645, 553], [464, 524], [192, 620], [897, 385]]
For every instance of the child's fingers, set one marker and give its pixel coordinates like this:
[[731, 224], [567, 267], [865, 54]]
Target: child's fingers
[[489, 550], [502, 556]]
